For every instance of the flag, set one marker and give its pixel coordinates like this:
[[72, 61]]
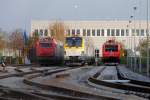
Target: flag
[[25, 38]]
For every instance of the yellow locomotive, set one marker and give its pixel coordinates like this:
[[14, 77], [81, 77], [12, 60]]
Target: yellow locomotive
[[78, 50]]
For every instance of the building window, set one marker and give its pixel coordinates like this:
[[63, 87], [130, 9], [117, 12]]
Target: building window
[[68, 32], [73, 32], [88, 32], [78, 31], [93, 32], [133, 32], [41, 32], [122, 32], [137, 32], [142, 32], [127, 32], [96, 53], [147, 32], [36, 31], [108, 32], [112, 32], [45, 32], [84, 32], [52, 32], [102, 32], [117, 32], [98, 32]]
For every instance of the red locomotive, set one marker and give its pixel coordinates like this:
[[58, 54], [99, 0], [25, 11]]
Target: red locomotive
[[47, 51], [111, 52]]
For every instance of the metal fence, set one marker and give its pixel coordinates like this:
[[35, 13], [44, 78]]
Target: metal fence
[[138, 64]]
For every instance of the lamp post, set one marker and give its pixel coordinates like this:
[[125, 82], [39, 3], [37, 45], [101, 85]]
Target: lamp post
[[130, 21], [130, 34], [128, 46], [140, 65], [135, 8], [147, 34], [131, 17]]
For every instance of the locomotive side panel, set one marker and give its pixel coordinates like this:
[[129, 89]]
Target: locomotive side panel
[[48, 51]]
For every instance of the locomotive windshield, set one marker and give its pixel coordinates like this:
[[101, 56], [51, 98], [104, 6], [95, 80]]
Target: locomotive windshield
[[45, 45], [74, 41], [111, 48]]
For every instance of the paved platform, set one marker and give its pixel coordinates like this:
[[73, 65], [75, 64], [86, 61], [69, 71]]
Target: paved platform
[[132, 75]]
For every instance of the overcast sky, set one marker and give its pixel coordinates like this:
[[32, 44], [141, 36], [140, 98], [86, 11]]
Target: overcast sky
[[19, 13]]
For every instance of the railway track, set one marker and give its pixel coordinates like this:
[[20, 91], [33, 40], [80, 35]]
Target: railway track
[[130, 87], [132, 81], [58, 92], [69, 92], [33, 72], [21, 73], [11, 94]]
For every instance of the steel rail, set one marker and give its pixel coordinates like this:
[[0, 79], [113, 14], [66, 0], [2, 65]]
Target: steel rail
[[74, 93], [119, 86], [128, 87], [132, 81], [60, 96], [13, 94], [21, 73]]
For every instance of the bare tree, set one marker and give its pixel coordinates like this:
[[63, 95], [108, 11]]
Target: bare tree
[[142, 47], [3, 39], [57, 30], [122, 49], [32, 40], [16, 41], [2, 43]]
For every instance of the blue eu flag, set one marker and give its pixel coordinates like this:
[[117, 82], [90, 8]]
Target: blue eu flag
[[25, 38]]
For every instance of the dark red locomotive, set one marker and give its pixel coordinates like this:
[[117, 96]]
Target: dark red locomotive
[[111, 52], [47, 51]]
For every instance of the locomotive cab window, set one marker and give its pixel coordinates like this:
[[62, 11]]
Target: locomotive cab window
[[111, 48], [45, 45], [74, 41]]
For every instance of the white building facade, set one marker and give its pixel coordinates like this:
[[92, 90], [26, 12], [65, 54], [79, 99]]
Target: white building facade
[[127, 33]]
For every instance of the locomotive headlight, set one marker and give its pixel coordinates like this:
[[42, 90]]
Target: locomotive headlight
[[67, 57]]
